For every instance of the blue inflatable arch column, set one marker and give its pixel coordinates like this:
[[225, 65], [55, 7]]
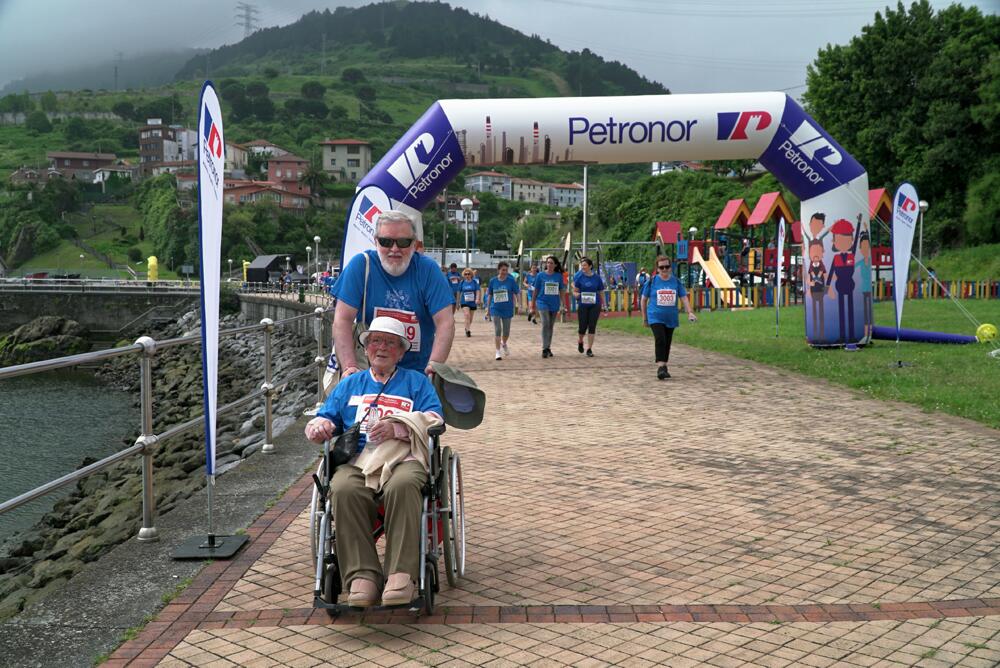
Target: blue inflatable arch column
[[769, 127]]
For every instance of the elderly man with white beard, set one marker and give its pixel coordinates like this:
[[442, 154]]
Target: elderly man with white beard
[[402, 284]]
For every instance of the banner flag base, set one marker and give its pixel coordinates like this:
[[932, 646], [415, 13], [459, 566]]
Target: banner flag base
[[209, 547]]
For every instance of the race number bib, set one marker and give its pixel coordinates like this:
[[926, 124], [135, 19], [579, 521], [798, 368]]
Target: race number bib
[[666, 297], [468, 297], [500, 297], [588, 297], [410, 324], [551, 289], [388, 404]]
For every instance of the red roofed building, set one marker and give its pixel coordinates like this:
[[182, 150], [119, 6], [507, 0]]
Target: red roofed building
[[79, 166], [565, 194], [288, 170], [346, 159], [261, 191], [489, 182]]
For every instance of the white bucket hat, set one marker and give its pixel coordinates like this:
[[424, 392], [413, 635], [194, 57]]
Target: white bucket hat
[[387, 325]]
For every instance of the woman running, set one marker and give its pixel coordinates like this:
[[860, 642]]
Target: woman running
[[500, 294], [588, 288], [468, 293], [547, 298], [659, 311]]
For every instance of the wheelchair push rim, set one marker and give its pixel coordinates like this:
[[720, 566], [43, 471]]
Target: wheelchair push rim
[[453, 517]]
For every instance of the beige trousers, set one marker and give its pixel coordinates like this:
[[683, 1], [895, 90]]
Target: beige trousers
[[354, 514]]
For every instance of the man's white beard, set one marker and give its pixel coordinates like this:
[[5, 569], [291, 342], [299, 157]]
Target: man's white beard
[[396, 268]]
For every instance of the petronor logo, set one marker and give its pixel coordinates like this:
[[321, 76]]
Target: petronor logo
[[733, 125], [809, 140], [413, 168]]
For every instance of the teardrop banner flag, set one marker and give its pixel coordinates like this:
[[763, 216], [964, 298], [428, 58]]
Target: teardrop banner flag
[[780, 265], [905, 208], [211, 165], [769, 127]]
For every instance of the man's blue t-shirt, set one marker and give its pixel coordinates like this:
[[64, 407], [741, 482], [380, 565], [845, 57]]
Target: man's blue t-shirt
[[454, 278], [663, 296], [412, 298], [547, 287], [591, 288], [467, 292], [407, 391], [502, 296], [641, 281]]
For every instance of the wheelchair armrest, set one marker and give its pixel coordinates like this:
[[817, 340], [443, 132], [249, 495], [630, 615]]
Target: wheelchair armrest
[[436, 430]]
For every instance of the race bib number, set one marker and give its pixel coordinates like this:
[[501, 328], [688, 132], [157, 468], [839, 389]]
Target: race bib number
[[500, 297], [588, 297], [468, 296], [388, 404], [551, 289], [410, 324], [666, 297]]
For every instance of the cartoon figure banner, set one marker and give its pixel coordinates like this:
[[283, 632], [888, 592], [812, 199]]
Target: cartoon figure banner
[[770, 127]]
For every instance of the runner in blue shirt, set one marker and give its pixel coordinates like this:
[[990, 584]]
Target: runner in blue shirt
[[500, 294], [529, 291], [468, 297], [454, 278], [659, 311], [547, 299], [588, 288], [402, 284]]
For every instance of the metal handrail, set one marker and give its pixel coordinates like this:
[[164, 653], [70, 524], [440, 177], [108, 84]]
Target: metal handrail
[[146, 442]]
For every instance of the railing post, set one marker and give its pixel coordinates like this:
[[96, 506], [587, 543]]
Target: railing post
[[268, 387], [320, 360], [148, 532]]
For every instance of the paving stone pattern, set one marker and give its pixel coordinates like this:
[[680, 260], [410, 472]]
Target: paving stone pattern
[[732, 515]]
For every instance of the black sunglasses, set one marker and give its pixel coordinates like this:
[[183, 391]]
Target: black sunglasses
[[663, 266], [386, 242]]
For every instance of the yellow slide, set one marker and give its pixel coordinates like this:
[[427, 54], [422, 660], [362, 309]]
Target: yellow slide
[[720, 279]]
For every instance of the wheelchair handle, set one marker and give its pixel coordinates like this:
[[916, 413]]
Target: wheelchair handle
[[436, 430]]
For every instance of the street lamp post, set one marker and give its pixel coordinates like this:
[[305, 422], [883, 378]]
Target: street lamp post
[[308, 251], [920, 247], [288, 261], [316, 240], [467, 208], [230, 260], [691, 232]]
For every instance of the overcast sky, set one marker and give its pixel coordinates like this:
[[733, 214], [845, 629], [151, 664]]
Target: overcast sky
[[690, 46]]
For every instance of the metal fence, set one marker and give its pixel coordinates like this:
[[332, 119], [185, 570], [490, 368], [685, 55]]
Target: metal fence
[[111, 285], [145, 445]]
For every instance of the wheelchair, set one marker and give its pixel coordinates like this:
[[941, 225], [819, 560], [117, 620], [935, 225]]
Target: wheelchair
[[442, 530]]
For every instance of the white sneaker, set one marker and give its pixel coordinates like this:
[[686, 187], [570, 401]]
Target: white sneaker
[[499, 356], [505, 350]]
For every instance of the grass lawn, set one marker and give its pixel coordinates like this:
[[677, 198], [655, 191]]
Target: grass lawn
[[960, 380]]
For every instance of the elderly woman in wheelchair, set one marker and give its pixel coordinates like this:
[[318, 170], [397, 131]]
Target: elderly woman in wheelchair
[[395, 416]]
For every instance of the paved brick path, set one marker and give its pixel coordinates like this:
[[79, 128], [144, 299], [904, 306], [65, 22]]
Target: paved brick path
[[733, 515]]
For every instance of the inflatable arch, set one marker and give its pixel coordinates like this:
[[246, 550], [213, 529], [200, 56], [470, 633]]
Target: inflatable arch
[[769, 127]]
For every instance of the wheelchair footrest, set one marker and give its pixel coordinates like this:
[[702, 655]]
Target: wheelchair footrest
[[417, 606]]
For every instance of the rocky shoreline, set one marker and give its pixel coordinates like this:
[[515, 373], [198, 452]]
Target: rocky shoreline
[[105, 509]]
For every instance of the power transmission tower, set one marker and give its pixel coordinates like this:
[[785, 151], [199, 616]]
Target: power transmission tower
[[246, 16], [322, 62], [118, 61]]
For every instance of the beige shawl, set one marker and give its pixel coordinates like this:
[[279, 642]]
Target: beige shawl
[[377, 464]]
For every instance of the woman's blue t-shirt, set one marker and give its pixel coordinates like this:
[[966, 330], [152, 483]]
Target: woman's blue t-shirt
[[502, 296], [407, 392], [547, 287], [467, 292], [591, 288], [663, 296]]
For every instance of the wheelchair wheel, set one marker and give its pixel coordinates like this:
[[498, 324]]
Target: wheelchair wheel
[[430, 586], [331, 583], [315, 514], [453, 524]]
